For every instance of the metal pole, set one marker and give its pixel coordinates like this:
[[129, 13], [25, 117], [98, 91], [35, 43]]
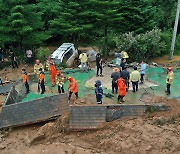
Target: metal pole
[[175, 31]]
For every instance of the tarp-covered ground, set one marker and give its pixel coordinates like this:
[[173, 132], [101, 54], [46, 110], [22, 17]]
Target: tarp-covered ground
[[157, 75]]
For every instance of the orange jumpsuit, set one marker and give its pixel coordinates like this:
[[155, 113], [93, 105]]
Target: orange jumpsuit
[[121, 87], [73, 86], [52, 71]]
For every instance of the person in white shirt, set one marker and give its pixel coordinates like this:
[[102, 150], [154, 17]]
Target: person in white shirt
[[29, 56]]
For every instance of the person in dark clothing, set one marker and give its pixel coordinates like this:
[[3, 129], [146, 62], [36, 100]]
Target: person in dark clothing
[[99, 64], [1, 55], [115, 76], [98, 91], [42, 81], [122, 65], [13, 59], [25, 79], [1, 82], [126, 76]]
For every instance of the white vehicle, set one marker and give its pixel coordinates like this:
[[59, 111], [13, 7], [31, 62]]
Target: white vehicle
[[66, 53]]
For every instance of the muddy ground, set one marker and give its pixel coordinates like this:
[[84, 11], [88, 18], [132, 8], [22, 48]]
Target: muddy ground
[[155, 132]]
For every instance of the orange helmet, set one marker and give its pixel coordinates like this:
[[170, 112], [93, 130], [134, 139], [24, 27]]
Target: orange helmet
[[169, 68], [58, 72], [37, 60], [69, 78]]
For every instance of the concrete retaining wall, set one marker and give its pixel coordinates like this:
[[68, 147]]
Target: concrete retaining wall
[[90, 117], [117, 111], [33, 111], [87, 117]]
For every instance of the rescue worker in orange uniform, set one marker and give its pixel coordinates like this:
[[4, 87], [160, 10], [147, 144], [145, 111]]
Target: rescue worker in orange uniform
[[42, 80], [25, 79], [73, 87], [121, 89], [52, 70]]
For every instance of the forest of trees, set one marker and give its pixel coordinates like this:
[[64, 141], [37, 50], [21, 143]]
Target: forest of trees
[[33, 23]]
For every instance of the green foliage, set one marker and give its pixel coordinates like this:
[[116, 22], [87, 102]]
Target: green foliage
[[137, 16], [166, 38], [177, 45], [49, 11], [120, 17], [108, 18], [110, 43], [29, 24], [166, 12], [21, 24], [71, 21], [43, 53], [141, 46]]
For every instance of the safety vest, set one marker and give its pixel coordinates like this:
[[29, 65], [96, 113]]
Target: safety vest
[[170, 77], [60, 79], [41, 77], [37, 67], [25, 78]]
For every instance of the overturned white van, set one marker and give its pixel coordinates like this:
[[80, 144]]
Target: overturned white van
[[66, 53]]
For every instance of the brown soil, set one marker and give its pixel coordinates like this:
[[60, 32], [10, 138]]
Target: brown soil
[[14, 74], [156, 132], [164, 60]]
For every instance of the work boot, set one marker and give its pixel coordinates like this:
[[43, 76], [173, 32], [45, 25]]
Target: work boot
[[27, 92], [122, 100], [119, 102], [168, 93]]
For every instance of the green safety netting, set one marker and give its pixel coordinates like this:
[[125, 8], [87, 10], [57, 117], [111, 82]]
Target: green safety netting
[[158, 75], [81, 78]]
